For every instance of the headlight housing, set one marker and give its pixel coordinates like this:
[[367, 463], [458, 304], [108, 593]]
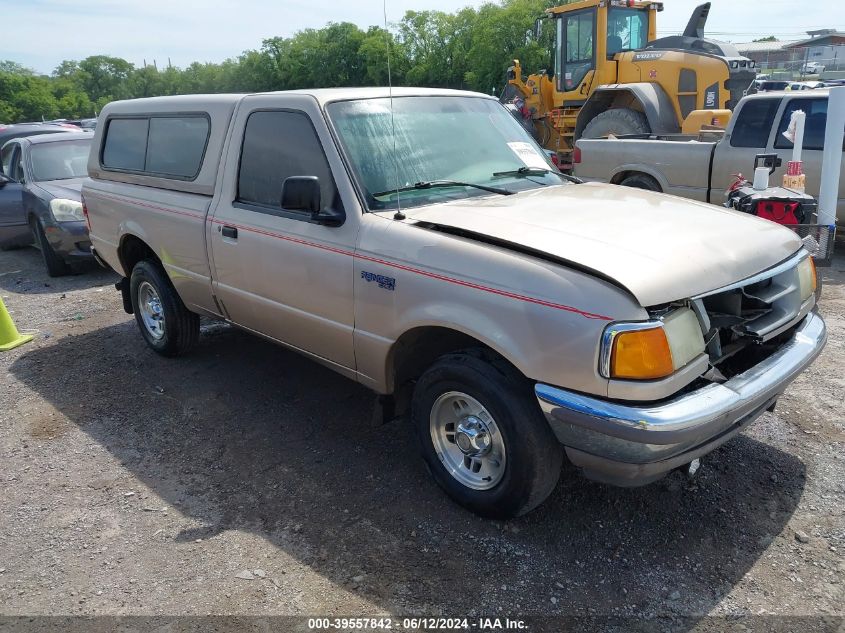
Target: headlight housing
[[648, 350], [807, 277], [65, 210]]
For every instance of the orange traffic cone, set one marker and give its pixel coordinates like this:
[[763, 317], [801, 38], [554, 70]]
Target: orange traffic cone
[[10, 338]]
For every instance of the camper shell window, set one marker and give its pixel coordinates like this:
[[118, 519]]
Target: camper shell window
[[168, 146]]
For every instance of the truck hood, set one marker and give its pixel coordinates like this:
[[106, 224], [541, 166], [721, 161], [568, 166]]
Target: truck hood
[[69, 188], [659, 247]]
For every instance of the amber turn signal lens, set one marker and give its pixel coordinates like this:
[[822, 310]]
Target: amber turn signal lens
[[641, 354]]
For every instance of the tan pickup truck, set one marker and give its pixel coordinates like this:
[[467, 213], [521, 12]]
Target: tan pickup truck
[[423, 245]]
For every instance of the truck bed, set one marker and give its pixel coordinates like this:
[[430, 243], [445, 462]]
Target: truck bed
[[680, 164]]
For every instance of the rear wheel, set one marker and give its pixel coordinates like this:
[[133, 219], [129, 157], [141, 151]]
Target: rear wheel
[[56, 266], [166, 324], [483, 436], [641, 181], [617, 122]]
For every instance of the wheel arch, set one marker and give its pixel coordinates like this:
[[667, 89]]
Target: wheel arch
[[622, 172], [648, 98], [419, 347], [131, 250]]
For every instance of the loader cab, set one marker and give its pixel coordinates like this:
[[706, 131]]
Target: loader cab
[[589, 34]]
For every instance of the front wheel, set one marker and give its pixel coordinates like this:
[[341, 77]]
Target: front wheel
[[166, 324], [483, 436], [616, 122]]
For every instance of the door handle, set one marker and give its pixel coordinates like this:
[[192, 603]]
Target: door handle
[[230, 231]]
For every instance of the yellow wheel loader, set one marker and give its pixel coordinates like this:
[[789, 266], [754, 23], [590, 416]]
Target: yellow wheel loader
[[611, 75]]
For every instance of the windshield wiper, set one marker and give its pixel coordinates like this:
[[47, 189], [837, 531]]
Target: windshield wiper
[[430, 184], [537, 171]]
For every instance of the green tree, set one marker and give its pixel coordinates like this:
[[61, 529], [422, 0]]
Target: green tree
[[103, 76], [378, 43], [499, 36], [25, 96], [14, 68], [75, 105], [469, 48]]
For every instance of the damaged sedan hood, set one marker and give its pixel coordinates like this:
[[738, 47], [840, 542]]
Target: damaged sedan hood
[[659, 247]]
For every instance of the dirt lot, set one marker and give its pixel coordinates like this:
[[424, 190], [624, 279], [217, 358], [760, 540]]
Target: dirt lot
[[133, 484]]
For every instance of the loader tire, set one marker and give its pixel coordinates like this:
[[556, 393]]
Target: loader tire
[[617, 122]]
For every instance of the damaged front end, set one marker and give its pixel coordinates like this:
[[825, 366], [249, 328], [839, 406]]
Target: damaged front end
[[747, 322], [759, 335]]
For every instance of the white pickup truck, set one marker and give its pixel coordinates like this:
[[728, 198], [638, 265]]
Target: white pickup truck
[[685, 166], [421, 243]]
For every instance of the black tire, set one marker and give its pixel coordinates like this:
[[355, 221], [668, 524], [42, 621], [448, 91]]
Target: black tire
[[617, 121], [533, 454], [181, 327], [641, 181], [56, 266]]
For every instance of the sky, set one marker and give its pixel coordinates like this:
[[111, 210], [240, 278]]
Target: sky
[[47, 32]]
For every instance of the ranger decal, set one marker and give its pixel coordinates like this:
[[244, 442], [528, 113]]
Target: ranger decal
[[387, 283]]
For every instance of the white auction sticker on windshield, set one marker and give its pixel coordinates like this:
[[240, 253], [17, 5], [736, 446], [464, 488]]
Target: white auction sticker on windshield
[[529, 155]]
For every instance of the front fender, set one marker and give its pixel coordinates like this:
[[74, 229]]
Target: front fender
[[655, 104], [544, 318]]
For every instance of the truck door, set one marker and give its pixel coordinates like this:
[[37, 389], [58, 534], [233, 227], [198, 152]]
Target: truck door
[[275, 271], [750, 135], [815, 110]]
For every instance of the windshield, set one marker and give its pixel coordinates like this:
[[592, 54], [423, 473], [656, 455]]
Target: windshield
[[465, 139], [60, 160], [627, 29]]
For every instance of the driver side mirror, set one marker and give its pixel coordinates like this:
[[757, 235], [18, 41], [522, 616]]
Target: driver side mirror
[[302, 193]]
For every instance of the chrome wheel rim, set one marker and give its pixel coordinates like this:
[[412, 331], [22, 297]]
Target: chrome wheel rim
[[467, 440], [151, 310]]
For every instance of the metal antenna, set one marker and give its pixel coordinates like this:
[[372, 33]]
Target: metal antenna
[[398, 215]]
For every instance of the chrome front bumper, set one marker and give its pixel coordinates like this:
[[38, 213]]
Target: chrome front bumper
[[632, 445]]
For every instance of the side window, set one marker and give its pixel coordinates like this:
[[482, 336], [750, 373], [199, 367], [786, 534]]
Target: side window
[[167, 146], [6, 158], [176, 145], [815, 111], [126, 144], [278, 145], [754, 122], [627, 29], [575, 39]]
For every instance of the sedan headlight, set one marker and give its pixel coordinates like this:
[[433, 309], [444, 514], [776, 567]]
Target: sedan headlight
[[651, 349], [66, 210], [807, 277]]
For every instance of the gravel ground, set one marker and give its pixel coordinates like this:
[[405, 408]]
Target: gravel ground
[[243, 479]]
